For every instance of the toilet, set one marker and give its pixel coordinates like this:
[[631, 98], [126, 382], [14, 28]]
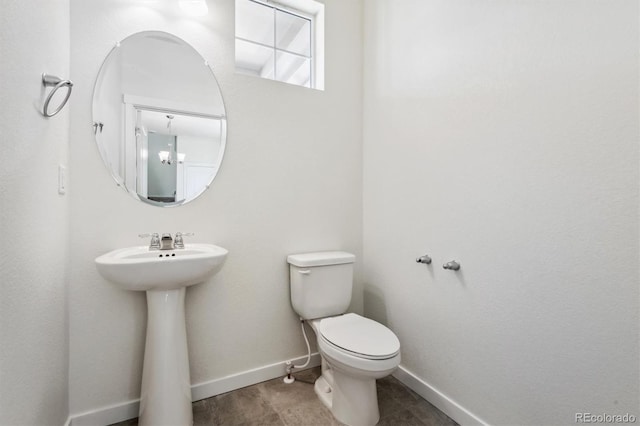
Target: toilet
[[355, 351]]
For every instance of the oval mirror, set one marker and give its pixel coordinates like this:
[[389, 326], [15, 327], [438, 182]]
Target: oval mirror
[[159, 119]]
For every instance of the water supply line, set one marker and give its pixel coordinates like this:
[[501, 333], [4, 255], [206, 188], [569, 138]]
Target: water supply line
[[288, 379]]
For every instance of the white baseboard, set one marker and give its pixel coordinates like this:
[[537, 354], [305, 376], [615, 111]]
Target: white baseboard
[[246, 378], [445, 404], [129, 410], [107, 415]]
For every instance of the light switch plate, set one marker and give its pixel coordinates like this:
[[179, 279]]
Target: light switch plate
[[62, 179]]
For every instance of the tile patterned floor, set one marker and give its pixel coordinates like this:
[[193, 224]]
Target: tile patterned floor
[[274, 403]]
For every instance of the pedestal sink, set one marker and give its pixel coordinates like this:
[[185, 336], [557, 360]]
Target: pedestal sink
[[164, 275]]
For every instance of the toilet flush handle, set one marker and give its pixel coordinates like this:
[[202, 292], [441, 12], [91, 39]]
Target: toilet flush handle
[[304, 271]]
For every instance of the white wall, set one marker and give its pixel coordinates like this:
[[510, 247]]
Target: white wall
[[504, 134], [290, 182], [33, 216]]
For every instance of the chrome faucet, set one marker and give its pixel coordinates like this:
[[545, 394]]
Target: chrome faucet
[[166, 243]]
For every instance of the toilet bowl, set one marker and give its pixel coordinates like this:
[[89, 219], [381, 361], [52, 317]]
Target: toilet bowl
[[355, 351]]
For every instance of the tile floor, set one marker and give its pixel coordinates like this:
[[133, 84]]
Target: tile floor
[[274, 403]]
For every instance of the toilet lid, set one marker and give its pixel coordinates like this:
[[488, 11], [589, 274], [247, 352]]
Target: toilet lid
[[360, 335]]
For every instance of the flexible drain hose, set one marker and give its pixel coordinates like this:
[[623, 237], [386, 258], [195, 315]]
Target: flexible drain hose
[[288, 379]]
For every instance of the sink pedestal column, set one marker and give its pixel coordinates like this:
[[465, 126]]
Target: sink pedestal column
[[166, 385]]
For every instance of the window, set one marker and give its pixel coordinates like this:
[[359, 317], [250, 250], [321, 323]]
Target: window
[[281, 42]]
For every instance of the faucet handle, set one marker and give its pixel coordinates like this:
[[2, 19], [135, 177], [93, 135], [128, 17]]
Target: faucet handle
[[155, 240], [179, 241]]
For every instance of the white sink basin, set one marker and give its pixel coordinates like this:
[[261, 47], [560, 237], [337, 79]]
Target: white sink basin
[[141, 269]]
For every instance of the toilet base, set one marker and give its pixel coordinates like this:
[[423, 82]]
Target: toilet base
[[323, 391], [352, 401]]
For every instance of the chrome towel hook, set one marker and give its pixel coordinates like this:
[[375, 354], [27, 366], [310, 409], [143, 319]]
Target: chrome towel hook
[[56, 82]]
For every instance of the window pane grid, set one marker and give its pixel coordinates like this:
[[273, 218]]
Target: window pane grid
[[291, 45], [292, 32]]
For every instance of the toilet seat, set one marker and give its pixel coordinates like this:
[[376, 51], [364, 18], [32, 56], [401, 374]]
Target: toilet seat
[[359, 337]]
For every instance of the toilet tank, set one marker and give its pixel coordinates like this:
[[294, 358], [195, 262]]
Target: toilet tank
[[321, 283]]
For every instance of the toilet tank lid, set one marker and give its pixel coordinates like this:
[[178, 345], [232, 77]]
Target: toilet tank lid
[[323, 258]]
